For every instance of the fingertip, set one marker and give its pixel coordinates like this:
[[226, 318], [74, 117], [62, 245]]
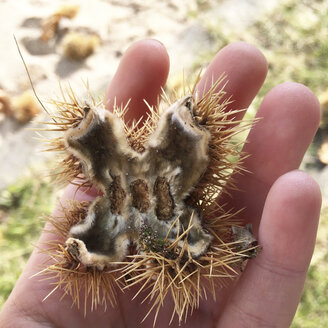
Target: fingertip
[[150, 53], [247, 63], [157, 53], [249, 52], [245, 67], [296, 191], [298, 99], [289, 117], [141, 75], [299, 184], [290, 220]]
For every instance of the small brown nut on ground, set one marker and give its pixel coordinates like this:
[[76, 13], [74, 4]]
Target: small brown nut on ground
[[78, 46], [25, 107]]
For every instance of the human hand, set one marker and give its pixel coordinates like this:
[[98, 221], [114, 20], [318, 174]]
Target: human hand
[[282, 204]]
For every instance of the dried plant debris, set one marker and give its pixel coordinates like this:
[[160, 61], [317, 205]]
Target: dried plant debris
[[157, 223], [323, 99], [323, 129], [5, 105], [323, 151], [50, 24]]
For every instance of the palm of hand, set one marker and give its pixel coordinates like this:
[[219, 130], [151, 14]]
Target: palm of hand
[[283, 204]]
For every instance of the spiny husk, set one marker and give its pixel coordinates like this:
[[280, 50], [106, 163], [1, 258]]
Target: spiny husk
[[171, 271]]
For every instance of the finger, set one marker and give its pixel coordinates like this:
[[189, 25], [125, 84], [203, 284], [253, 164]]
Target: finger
[[140, 76], [289, 117], [246, 69], [269, 290]]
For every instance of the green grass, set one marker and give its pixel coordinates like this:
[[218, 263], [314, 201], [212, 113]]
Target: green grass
[[21, 207]]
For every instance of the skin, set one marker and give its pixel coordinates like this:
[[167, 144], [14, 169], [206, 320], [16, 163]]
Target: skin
[[282, 203]]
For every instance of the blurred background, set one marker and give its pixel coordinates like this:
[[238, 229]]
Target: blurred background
[[83, 41]]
